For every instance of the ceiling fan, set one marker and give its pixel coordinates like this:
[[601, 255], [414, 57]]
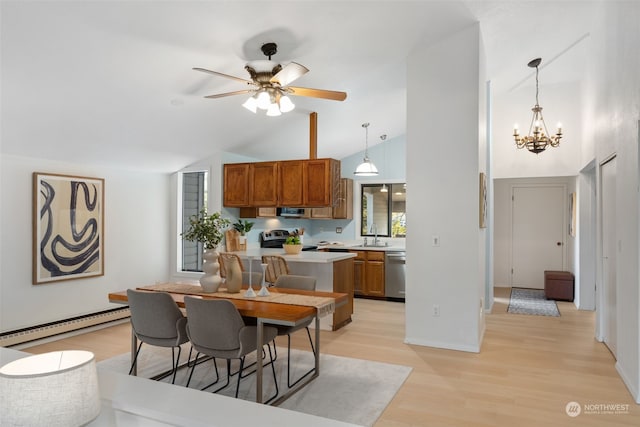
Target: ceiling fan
[[269, 84]]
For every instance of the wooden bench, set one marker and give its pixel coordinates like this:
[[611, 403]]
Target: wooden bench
[[558, 285]]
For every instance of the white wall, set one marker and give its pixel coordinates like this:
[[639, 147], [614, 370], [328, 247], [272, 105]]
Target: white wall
[[136, 242], [443, 104], [613, 123]]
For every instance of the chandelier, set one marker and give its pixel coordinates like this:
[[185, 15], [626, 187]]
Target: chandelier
[[538, 138], [366, 168]]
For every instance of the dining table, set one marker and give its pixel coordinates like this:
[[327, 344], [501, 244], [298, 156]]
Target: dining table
[[282, 306]]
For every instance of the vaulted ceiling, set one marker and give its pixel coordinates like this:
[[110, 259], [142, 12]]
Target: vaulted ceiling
[[111, 83]]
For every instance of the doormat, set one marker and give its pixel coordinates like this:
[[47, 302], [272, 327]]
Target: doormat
[[531, 301]]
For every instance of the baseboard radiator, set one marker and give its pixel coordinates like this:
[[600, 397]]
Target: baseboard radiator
[[47, 330]]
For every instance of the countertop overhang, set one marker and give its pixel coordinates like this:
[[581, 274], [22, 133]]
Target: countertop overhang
[[303, 257]]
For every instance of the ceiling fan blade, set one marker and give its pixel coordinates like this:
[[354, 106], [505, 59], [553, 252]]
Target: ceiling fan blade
[[317, 93], [222, 95], [289, 73], [215, 73]]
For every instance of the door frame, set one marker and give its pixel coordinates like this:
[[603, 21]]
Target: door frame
[[564, 223], [601, 314]]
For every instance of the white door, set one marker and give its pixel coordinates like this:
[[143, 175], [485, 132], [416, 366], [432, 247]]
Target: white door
[[538, 233], [609, 304]]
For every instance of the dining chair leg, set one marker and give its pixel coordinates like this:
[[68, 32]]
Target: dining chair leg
[[135, 358], [313, 350], [275, 379], [215, 366], [239, 376], [174, 363]]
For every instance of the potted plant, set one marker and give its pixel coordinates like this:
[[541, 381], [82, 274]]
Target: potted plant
[[292, 245], [243, 227], [209, 230]]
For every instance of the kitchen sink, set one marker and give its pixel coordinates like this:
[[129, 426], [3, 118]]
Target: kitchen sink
[[379, 245]]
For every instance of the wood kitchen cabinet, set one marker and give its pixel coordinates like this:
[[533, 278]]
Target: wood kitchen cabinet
[[368, 273], [343, 282], [289, 183], [321, 181], [257, 212], [290, 187], [236, 184], [250, 184], [263, 184], [343, 206]]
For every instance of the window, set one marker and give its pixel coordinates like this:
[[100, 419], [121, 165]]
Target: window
[[194, 198], [383, 210]]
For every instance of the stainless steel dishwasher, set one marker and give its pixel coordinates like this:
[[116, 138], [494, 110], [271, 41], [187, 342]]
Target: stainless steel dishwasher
[[394, 274]]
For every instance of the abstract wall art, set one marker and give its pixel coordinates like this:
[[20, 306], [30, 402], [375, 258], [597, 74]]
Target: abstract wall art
[[68, 227]]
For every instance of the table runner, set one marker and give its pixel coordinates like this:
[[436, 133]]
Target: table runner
[[324, 305]]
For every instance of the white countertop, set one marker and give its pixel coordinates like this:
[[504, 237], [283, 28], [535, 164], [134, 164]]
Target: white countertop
[[358, 247], [302, 257]]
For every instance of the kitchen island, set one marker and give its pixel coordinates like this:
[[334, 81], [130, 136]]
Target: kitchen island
[[333, 272]]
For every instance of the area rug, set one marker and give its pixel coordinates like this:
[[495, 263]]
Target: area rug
[[531, 301], [350, 390]]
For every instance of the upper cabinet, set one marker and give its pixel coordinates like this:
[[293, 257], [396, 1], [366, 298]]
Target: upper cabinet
[[263, 184], [250, 184], [236, 184], [290, 188], [343, 206], [289, 183], [321, 181]]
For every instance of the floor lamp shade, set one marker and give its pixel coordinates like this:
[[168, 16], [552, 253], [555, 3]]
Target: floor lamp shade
[[50, 389]]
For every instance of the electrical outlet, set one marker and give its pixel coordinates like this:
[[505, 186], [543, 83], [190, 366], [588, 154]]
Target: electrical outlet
[[339, 230], [435, 240], [436, 310]]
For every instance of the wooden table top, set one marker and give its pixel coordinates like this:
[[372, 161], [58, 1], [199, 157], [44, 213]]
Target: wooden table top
[[259, 309]]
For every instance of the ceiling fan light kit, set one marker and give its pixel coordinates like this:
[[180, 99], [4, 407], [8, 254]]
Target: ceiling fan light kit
[[269, 85], [537, 140], [366, 168]]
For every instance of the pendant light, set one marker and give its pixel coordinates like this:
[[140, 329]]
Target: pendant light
[[384, 188], [366, 168]]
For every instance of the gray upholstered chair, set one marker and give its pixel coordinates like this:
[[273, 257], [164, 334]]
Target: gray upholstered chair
[[276, 267], [295, 282], [157, 320], [216, 329]]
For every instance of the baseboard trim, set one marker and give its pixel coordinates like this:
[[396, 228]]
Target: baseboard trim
[[443, 345], [47, 330], [627, 382]]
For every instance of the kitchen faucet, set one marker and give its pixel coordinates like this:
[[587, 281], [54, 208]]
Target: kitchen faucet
[[374, 229]]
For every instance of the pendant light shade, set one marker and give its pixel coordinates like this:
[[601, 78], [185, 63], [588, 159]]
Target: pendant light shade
[[366, 168]]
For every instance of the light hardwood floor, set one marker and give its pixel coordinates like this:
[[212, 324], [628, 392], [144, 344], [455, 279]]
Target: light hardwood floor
[[528, 369]]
